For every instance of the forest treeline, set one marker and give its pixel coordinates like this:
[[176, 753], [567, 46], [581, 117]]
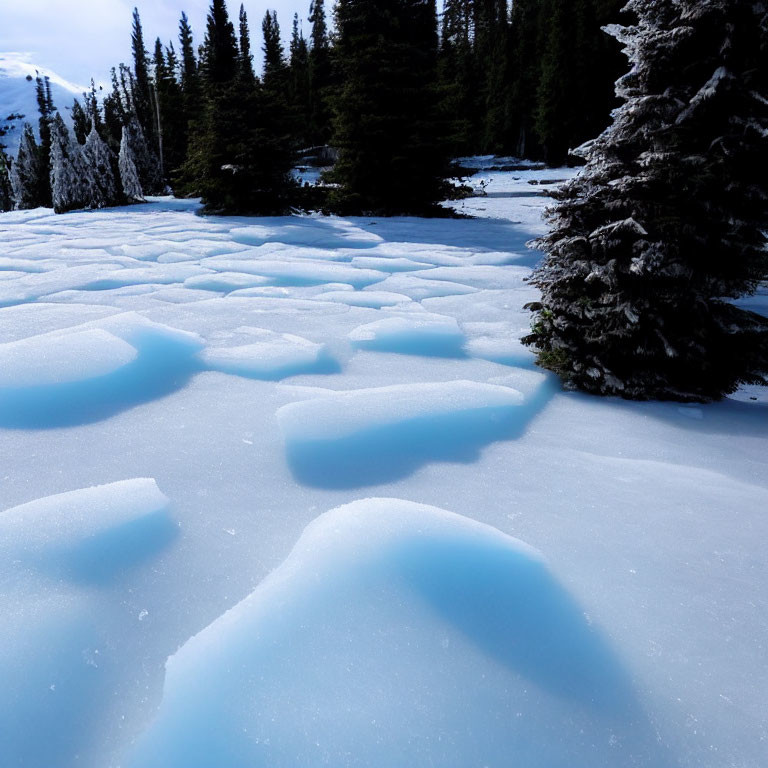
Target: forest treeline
[[392, 89]]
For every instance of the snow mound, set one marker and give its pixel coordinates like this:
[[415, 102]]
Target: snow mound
[[65, 565], [299, 273], [419, 288], [271, 357], [388, 263], [413, 334], [45, 360], [92, 534], [225, 282], [370, 436], [460, 649], [86, 373], [370, 299]]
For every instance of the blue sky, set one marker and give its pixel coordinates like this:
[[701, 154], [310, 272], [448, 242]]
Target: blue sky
[[80, 39]]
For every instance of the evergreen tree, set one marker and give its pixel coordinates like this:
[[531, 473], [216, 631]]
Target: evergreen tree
[[392, 160], [141, 91], [239, 162], [171, 119], [300, 103], [247, 75], [129, 175], [46, 109], [93, 111], [72, 185], [188, 63], [667, 222], [491, 48], [6, 192], [80, 122], [145, 160], [275, 68], [319, 76], [458, 79], [191, 117], [26, 173], [101, 162]]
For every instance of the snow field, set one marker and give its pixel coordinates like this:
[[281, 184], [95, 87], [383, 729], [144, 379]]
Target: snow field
[[429, 608], [266, 371], [59, 555]]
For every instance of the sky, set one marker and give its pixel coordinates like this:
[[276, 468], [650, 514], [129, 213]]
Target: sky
[[80, 39]]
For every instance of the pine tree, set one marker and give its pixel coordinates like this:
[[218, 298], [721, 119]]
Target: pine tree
[[247, 75], [93, 111], [457, 74], [666, 224], [188, 64], [6, 192], [72, 184], [392, 158], [239, 162], [129, 175], [145, 160], [275, 67], [558, 94], [319, 76], [191, 118], [101, 162], [299, 86], [141, 91], [491, 49], [26, 173], [80, 122], [46, 109]]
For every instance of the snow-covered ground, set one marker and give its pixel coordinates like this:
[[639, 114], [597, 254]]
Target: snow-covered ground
[[289, 492]]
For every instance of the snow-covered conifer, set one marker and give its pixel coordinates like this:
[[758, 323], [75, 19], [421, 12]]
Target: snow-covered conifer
[[72, 182], [26, 172], [666, 224], [145, 160], [6, 193], [100, 160], [128, 173]]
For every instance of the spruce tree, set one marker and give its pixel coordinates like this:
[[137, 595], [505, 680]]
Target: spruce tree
[[26, 173], [141, 91], [525, 67], [392, 157], [72, 184], [80, 122], [46, 108], [171, 120], [247, 75], [93, 111], [191, 118], [299, 86], [458, 78], [6, 192], [145, 160], [275, 66], [239, 162], [666, 224], [129, 176], [319, 76], [101, 162]]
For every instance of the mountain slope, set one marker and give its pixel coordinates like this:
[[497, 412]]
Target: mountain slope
[[17, 95]]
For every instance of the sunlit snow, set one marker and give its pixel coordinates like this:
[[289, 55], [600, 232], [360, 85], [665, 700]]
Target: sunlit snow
[[290, 492]]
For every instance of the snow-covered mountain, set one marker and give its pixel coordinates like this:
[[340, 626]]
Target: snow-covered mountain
[[17, 95]]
